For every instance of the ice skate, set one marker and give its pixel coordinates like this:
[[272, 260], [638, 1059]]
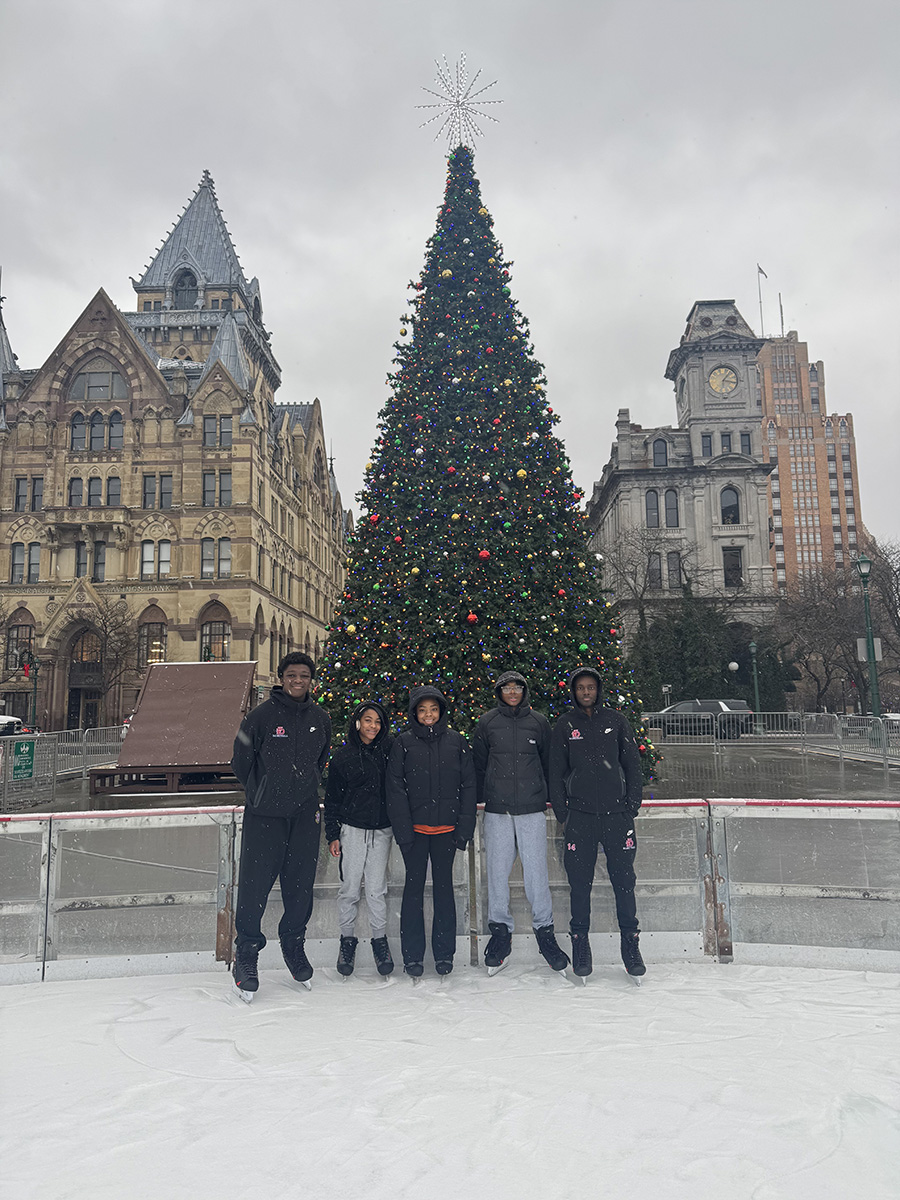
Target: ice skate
[[381, 952], [245, 973], [294, 951], [443, 966], [550, 949], [347, 955], [631, 956], [499, 948], [414, 970], [582, 962]]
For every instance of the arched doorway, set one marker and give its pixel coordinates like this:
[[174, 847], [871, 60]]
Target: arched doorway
[[85, 682]]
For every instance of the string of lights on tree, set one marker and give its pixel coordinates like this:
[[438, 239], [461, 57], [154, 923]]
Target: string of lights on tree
[[470, 556]]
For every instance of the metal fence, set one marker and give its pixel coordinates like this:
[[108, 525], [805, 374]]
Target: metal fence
[[54, 756], [861, 737], [137, 892]]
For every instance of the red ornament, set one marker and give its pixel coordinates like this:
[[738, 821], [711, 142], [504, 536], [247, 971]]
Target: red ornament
[[472, 619], [485, 554], [398, 538], [561, 592], [490, 350], [451, 470], [612, 633], [642, 749], [562, 683], [496, 420], [375, 518]]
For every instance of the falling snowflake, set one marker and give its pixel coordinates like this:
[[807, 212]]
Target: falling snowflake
[[458, 103]]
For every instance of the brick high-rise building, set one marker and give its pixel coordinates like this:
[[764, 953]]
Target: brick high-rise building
[[814, 489]]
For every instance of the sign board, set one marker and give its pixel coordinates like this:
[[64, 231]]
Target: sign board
[[23, 760], [861, 654]]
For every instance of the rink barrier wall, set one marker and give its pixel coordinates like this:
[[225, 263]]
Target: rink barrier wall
[[56, 756], [152, 891]]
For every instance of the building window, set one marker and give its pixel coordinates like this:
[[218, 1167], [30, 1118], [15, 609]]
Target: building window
[[98, 431], [165, 491], [76, 493], [671, 508], [19, 638], [78, 432], [745, 444], [99, 562], [225, 432], [660, 453], [164, 559], [673, 570], [260, 563], [210, 430], [225, 489], [654, 570], [186, 290], [726, 443], [34, 562], [98, 385], [207, 558], [706, 445], [148, 558], [95, 493], [209, 489], [215, 641], [651, 504], [37, 493], [17, 563], [20, 501], [113, 491], [733, 566], [80, 560], [224, 557], [731, 506], [148, 492], [116, 431], [152, 639]]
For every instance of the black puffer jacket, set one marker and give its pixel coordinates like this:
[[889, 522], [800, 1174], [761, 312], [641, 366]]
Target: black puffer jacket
[[430, 776], [280, 753], [595, 765], [355, 793], [511, 749]]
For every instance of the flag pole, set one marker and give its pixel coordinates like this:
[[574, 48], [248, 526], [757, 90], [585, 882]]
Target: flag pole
[[759, 272], [781, 311]]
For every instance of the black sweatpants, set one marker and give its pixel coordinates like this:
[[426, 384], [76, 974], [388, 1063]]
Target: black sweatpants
[[584, 833], [271, 847], [441, 849]]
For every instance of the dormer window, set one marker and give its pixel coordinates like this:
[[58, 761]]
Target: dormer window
[[660, 453], [185, 290]]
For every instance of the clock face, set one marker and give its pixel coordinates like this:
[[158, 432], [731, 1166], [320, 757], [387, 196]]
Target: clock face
[[723, 380]]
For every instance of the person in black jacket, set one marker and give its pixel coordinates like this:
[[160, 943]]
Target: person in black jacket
[[595, 789], [358, 829], [511, 750], [280, 753], [431, 803]]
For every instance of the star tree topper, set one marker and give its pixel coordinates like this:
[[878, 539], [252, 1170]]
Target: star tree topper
[[458, 104]]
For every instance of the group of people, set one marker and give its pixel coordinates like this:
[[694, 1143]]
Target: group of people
[[421, 789]]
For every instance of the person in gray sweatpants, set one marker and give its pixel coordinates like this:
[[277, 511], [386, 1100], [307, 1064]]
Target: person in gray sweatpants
[[511, 748]]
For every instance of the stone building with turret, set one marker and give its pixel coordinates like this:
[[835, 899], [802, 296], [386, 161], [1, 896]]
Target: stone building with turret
[[156, 503]]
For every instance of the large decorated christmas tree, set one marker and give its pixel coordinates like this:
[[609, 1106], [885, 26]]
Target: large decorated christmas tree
[[470, 556]]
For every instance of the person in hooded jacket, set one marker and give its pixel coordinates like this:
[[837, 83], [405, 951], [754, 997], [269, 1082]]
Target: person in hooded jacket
[[280, 753], [358, 830], [596, 791], [431, 803], [511, 750]]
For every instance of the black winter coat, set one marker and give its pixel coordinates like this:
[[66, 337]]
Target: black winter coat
[[430, 776], [355, 793], [280, 753], [595, 765], [511, 750]]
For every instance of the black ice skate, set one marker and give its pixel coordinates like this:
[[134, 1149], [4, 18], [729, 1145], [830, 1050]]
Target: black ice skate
[[443, 966], [381, 952], [499, 948], [414, 970], [347, 955], [550, 948], [631, 956], [582, 962], [244, 971], [298, 964]]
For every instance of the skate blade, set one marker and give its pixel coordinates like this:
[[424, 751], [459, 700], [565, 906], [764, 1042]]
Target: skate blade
[[492, 971], [306, 984], [247, 997], [635, 979]]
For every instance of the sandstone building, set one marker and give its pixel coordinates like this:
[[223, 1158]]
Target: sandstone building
[[146, 469]]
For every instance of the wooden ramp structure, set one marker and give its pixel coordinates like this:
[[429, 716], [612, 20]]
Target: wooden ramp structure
[[181, 736]]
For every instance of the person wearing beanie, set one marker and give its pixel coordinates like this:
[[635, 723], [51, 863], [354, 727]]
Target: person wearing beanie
[[358, 830], [596, 791], [511, 751], [431, 804], [280, 753]]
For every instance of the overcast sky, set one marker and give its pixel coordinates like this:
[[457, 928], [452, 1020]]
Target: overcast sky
[[649, 154]]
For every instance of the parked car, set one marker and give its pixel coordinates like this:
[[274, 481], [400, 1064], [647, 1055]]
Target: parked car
[[10, 726], [692, 718]]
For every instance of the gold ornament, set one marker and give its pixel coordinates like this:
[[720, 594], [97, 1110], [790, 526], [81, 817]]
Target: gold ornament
[[521, 474], [368, 466], [507, 383], [454, 517], [483, 212], [351, 629], [485, 658], [446, 274], [581, 564], [415, 571], [492, 261], [403, 333], [513, 338]]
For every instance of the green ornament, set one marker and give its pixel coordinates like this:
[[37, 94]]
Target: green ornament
[[507, 524], [583, 647], [376, 587]]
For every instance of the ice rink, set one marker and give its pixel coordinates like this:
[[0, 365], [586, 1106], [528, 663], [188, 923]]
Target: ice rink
[[734, 1082]]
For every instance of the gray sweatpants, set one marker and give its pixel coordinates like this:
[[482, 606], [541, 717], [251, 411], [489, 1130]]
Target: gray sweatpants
[[364, 857], [503, 836]]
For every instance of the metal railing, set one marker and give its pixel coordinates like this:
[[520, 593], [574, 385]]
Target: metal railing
[[132, 892], [54, 756], [862, 737]]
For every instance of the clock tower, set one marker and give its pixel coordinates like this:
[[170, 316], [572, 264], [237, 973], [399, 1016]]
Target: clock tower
[[714, 368]]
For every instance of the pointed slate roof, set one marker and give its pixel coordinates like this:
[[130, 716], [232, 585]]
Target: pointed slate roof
[[7, 358], [298, 414], [228, 351], [199, 240]]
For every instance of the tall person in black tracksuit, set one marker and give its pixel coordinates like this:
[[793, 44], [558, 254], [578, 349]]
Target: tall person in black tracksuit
[[431, 803], [596, 790], [280, 753]]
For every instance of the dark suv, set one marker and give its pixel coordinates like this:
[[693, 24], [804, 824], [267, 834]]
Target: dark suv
[[725, 718]]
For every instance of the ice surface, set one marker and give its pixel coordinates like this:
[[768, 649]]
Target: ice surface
[[740, 1082]]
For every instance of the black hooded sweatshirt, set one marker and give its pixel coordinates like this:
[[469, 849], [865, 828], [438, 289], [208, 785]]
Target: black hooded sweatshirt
[[280, 753], [595, 765], [355, 793], [430, 776], [511, 749]]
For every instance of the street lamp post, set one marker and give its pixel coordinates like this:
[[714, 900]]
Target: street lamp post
[[31, 666], [864, 566], [755, 682]]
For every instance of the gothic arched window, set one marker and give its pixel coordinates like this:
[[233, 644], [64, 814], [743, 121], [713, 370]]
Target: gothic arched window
[[186, 290]]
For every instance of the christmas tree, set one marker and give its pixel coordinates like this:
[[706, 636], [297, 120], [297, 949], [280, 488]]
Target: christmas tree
[[470, 556]]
